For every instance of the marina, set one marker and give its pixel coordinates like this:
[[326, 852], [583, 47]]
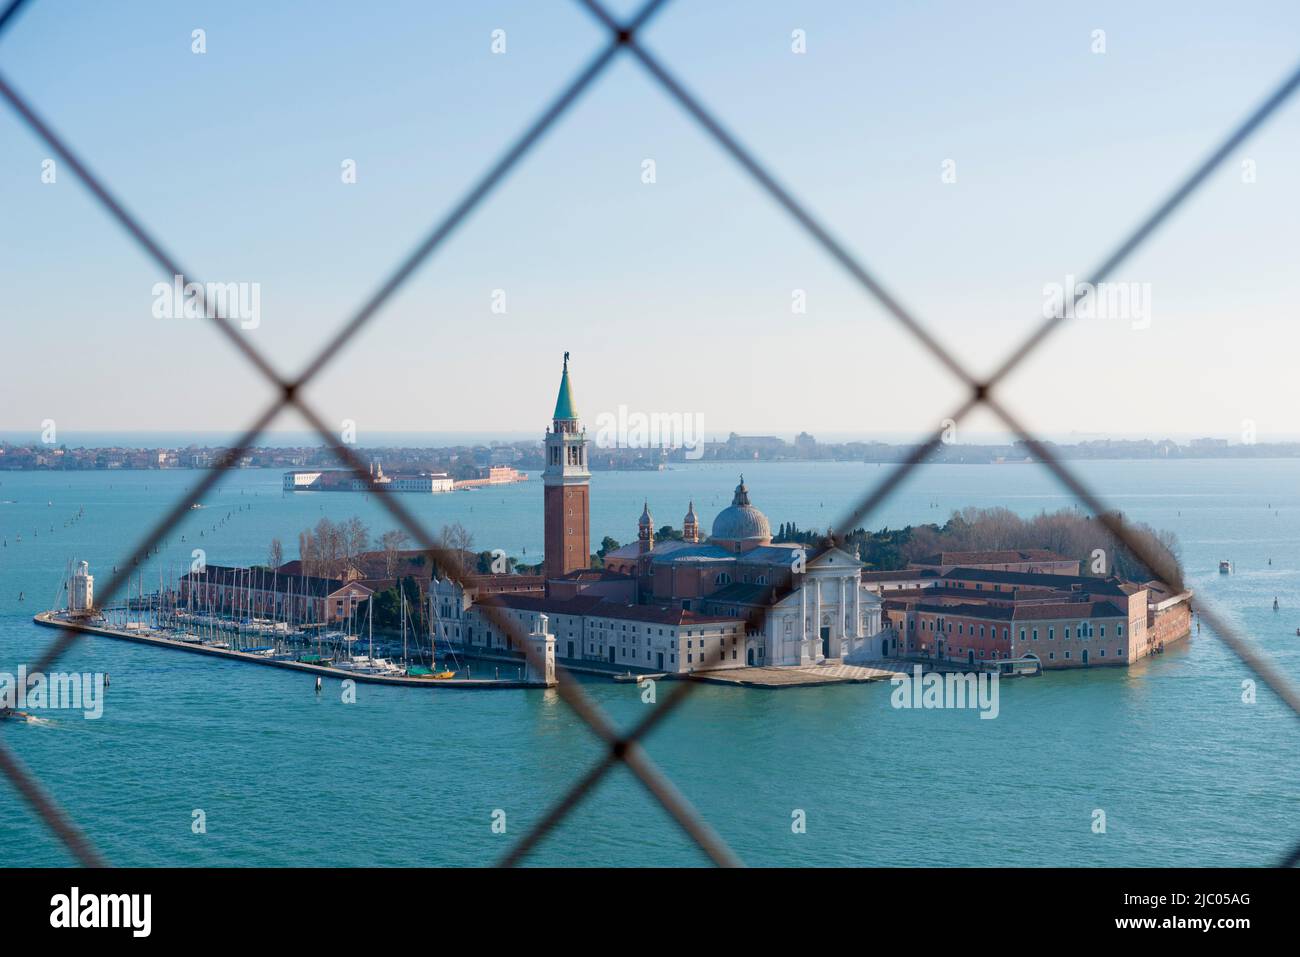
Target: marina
[[255, 656], [180, 619]]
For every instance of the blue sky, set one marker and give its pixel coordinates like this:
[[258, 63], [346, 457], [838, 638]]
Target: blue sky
[[673, 296]]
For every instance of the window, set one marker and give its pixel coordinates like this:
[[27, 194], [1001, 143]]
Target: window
[[1119, 631], [1051, 634], [1022, 634], [1103, 631], [1067, 632], [1067, 655], [1035, 634]]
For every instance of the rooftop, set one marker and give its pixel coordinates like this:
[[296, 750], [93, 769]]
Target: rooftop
[[1101, 586], [998, 557], [262, 579], [564, 405], [593, 606]]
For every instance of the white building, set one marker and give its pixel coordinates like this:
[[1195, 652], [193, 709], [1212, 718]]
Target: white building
[[345, 480]]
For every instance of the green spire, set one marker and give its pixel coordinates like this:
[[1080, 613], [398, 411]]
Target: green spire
[[564, 408]]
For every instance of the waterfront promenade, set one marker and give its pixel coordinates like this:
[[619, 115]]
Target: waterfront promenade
[[830, 672]]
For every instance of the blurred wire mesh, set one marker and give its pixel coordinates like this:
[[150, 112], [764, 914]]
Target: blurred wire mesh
[[626, 748]]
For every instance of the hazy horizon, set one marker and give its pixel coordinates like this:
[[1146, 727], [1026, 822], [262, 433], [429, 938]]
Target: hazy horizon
[[165, 438]]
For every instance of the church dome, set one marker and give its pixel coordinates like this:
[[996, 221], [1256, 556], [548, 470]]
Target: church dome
[[740, 521]]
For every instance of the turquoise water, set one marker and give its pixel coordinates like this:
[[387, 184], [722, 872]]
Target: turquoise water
[[1184, 771]]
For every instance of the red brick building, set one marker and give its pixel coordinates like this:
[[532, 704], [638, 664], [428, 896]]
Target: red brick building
[[972, 615]]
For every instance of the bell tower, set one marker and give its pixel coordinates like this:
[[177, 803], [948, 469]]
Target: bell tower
[[645, 530], [691, 525], [566, 485]]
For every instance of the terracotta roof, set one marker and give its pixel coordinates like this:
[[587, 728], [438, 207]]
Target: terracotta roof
[[743, 593], [591, 605], [901, 574], [260, 579], [593, 575], [1099, 586], [993, 612], [1001, 557], [1051, 611], [1069, 609]]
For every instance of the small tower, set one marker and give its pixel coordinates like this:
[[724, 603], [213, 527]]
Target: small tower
[[81, 594], [691, 525], [645, 530], [541, 666]]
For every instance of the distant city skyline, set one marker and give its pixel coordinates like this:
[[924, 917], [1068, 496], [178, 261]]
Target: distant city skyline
[[429, 439], [674, 296]]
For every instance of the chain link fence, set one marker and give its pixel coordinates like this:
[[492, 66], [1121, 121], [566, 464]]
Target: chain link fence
[[623, 40]]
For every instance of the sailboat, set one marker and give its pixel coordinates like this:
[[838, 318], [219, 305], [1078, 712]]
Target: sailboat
[[368, 664], [421, 671], [433, 650]]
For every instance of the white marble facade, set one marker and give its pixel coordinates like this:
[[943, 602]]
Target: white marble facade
[[831, 615]]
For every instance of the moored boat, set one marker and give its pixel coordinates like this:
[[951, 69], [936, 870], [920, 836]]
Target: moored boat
[[421, 671]]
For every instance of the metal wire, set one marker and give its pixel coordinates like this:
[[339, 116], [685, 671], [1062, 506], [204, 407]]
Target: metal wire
[[625, 749]]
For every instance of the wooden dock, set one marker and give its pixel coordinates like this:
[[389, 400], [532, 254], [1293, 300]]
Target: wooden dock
[[50, 620]]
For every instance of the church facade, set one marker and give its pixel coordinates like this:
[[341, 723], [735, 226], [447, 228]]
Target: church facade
[[675, 605], [817, 605]]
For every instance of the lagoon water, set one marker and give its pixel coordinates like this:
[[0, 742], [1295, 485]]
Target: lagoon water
[[1185, 771]]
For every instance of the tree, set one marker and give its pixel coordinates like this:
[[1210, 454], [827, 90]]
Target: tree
[[275, 557], [386, 607], [490, 563], [328, 549], [392, 542], [355, 539], [456, 539]]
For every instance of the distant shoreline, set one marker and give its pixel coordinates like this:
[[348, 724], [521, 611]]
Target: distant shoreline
[[526, 456]]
